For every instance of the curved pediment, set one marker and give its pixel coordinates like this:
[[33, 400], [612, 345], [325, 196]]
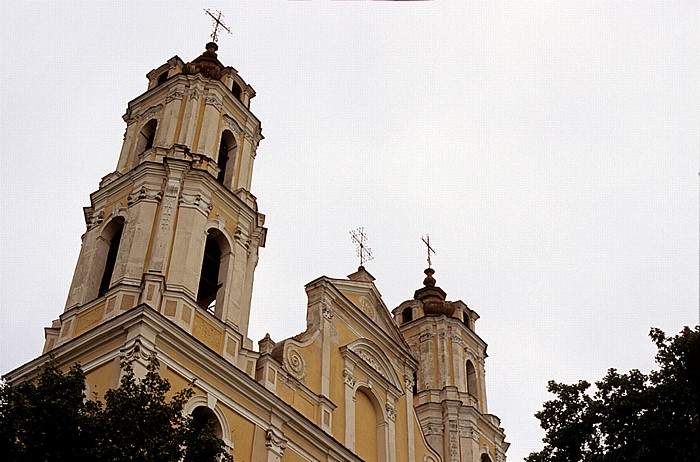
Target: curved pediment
[[374, 358]]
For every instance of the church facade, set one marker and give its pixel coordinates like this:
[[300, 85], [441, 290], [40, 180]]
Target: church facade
[[166, 267]]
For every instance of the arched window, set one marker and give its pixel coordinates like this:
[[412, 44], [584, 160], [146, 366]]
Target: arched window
[[108, 249], [408, 314], [227, 157], [162, 78], [472, 387], [209, 283], [202, 417], [145, 140], [485, 458], [215, 266]]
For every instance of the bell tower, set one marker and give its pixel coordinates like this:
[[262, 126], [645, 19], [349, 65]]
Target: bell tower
[[450, 386], [175, 226]]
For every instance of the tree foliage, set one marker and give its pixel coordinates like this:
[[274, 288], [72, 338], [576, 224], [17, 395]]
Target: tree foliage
[[51, 419], [630, 417]]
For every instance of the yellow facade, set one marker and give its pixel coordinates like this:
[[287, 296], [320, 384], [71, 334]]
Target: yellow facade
[[167, 267]]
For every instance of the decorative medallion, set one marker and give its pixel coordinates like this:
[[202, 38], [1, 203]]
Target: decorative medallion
[[294, 363], [367, 307]]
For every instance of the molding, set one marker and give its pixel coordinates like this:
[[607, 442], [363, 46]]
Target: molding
[[172, 337], [372, 361]]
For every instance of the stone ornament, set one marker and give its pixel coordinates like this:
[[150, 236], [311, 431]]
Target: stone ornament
[[275, 442], [151, 112], [326, 310], [214, 101], [371, 361], [294, 363], [197, 201], [409, 383], [454, 448], [178, 94], [367, 307], [93, 219], [144, 194], [349, 378], [391, 412]]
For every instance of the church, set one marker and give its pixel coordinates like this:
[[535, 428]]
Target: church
[[166, 267]]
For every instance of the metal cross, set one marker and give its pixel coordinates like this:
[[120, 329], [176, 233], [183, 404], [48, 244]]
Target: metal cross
[[217, 23], [426, 241], [360, 239]]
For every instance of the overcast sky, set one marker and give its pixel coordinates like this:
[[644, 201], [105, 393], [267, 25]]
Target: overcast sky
[[550, 151]]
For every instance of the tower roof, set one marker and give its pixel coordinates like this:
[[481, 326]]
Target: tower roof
[[433, 297], [207, 63]]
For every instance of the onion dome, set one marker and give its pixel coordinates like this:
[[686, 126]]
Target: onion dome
[[433, 297]]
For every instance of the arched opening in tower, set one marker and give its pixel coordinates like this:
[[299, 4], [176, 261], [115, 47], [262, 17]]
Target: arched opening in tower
[[472, 387], [209, 278], [113, 236], [227, 156]]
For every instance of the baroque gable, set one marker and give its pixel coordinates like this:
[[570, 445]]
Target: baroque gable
[[368, 304]]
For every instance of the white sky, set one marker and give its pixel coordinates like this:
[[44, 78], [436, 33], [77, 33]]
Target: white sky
[[550, 150]]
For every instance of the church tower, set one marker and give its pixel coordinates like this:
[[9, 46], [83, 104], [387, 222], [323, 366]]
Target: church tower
[[166, 268], [450, 385], [175, 226]]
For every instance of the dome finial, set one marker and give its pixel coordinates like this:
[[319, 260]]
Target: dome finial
[[429, 280]]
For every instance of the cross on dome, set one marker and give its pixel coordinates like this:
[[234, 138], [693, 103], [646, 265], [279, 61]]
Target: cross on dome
[[218, 23], [359, 237], [426, 241]]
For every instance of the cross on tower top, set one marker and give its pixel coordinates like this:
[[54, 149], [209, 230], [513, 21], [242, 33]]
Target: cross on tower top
[[426, 241], [360, 239], [217, 23]]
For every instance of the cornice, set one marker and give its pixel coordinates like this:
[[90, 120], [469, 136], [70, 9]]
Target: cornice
[[176, 339]]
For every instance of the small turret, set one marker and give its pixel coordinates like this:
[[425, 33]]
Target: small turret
[[450, 389]]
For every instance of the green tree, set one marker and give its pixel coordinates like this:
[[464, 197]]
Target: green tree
[[630, 417], [51, 420], [46, 419]]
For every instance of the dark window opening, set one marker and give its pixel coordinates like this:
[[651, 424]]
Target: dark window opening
[[415, 383], [147, 136], [472, 386], [408, 314], [109, 264], [149, 140], [223, 159], [236, 90], [203, 417], [226, 158], [209, 279], [162, 78], [465, 319]]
